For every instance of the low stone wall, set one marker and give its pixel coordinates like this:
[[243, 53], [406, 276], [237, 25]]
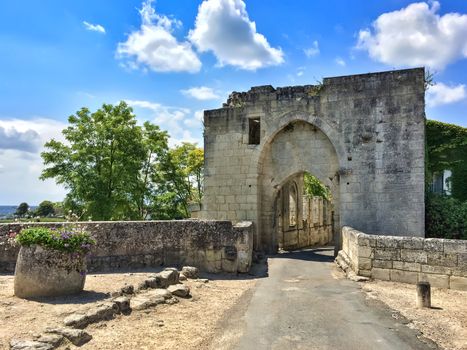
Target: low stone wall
[[213, 246], [442, 262]]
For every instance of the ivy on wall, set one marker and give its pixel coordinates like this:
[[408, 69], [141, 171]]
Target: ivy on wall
[[447, 150], [446, 216]]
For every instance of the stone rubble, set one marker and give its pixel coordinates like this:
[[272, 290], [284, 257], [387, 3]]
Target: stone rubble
[[158, 289]]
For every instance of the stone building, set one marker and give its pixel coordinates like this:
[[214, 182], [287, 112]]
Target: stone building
[[363, 136]]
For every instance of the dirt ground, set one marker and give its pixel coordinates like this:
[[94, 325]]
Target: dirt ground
[[445, 323], [190, 324]]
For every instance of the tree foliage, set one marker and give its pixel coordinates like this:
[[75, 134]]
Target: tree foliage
[[45, 208], [314, 187], [22, 209], [115, 169], [445, 217]]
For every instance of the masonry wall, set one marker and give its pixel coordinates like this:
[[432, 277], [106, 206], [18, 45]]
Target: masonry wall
[[363, 135], [213, 246], [442, 262]]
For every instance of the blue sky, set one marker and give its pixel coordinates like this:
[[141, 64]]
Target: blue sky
[[170, 59]]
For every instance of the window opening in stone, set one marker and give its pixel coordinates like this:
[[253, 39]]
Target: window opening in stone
[[293, 205], [254, 131]]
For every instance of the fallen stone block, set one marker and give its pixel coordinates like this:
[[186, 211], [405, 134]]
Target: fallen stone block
[[123, 304], [142, 302], [179, 290], [182, 277], [52, 339], [166, 278], [159, 293], [16, 344], [128, 289], [76, 321], [102, 312], [77, 337], [151, 282], [190, 272]]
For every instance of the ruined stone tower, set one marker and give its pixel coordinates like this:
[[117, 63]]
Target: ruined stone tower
[[363, 136]]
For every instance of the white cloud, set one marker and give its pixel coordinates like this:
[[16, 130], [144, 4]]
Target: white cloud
[[416, 36], [340, 61], [441, 94], [313, 50], [223, 27], [20, 167], [176, 120], [94, 27], [155, 47], [202, 93]]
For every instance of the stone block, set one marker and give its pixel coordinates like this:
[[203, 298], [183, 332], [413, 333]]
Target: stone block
[[406, 266], [381, 274], [387, 254], [442, 259], [364, 264], [404, 276], [436, 269], [433, 245], [412, 243], [365, 252], [455, 246], [437, 281], [459, 272], [387, 242], [414, 256], [383, 264], [459, 283]]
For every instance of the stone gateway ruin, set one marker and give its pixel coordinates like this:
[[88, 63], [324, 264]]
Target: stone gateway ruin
[[362, 136]]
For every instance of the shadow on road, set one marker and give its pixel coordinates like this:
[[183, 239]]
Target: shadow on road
[[319, 254]]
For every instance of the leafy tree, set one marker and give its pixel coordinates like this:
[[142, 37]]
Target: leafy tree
[[45, 208], [179, 178], [22, 209], [314, 187], [100, 164]]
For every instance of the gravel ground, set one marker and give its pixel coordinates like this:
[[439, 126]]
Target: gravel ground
[[445, 323], [190, 324]]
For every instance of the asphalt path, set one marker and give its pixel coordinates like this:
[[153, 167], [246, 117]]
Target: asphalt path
[[306, 303]]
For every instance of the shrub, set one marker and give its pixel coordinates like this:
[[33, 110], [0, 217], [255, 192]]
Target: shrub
[[67, 239], [445, 217]]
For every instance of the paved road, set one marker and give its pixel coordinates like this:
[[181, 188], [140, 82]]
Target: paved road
[[306, 304]]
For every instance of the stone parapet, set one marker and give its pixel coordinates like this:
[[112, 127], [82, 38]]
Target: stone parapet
[[442, 262], [213, 246]]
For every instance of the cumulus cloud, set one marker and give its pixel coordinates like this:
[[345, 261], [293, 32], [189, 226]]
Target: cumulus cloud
[[441, 94], [202, 93], [94, 27], [416, 36], [176, 120], [27, 141], [155, 47], [313, 50], [224, 28], [21, 164], [340, 61]]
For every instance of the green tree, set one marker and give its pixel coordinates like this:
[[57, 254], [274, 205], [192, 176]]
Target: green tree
[[100, 164], [45, 208], [178, 177], [22, 209], [314, 187]]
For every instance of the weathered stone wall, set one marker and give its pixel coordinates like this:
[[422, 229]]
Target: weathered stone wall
[[362, 135], [442, 262], [213, 246]]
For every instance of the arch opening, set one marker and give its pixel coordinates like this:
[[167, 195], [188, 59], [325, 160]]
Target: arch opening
[[298, 152]]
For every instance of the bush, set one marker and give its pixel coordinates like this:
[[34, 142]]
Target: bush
[[68, 239], [445, 217]]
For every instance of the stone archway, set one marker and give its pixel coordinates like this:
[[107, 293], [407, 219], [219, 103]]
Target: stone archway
[[297, 148]]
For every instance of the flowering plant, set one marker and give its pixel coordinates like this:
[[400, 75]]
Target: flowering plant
[[67, 239]]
